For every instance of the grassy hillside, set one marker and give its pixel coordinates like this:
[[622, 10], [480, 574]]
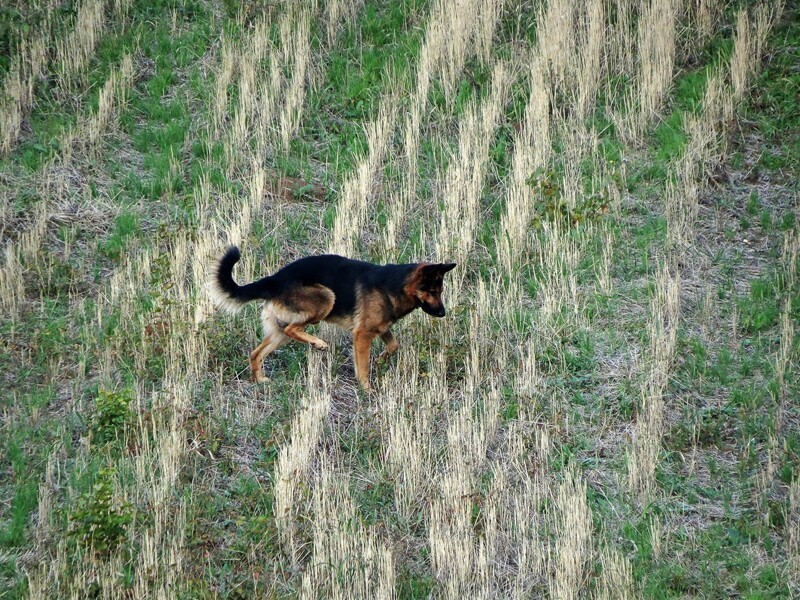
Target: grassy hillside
[[610, 409]]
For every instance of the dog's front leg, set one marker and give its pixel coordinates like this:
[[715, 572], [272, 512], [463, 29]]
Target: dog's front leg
[[362, 340], [391, 345]]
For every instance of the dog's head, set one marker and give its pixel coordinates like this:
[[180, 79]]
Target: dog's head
[[425, 286]]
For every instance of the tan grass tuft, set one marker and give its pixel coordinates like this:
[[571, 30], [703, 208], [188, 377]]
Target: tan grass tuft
[[680, 208], [453, 27], [616, 580], [489, 13], [603, 271], [621, 37], [532, 151], [74, 52], [558, 256], [656, 56], [112, 97], [793, 534], [156, 470], [656, 43], [12, 287], [662, 328], [454, 33], [572, 520], [299, 48], [348, 560], [589, 68], [294, 459], [748, 46], [463, 182], [356, 190], [221, 83], [16, 94], [526, 450], [339, 13], [555, 32], [458, 557], [16, 255], [407, 435], [784, 359], [706, 15]]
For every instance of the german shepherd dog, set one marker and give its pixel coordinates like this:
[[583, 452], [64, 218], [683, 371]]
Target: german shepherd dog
[[361, 297]]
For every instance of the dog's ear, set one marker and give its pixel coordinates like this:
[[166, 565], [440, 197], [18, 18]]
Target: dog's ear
[[437, 268], [430, 272]]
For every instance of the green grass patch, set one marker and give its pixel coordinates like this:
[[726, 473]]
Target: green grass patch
[[125, 227]]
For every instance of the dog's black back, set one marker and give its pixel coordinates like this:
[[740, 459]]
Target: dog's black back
[[343, 276]]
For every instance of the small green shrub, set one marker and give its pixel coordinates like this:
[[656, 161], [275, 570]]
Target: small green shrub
[[111, 415], [592, 206], [96, 522]]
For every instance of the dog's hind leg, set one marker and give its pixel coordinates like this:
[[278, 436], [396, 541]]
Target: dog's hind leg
[[391, 345], [256, 361], [306, 306], [257, 356], [273, 339], [296, 331]]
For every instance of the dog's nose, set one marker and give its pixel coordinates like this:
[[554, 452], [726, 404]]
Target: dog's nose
[[440, 312]]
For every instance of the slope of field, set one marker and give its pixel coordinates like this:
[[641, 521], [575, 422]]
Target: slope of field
[[610, 408]]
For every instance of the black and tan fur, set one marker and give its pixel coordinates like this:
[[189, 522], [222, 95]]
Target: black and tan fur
[[361, 297]]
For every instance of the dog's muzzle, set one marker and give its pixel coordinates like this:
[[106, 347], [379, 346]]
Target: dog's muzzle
[[434, 312]]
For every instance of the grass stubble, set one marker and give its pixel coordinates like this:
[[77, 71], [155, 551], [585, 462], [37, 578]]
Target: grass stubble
[[464, 474]]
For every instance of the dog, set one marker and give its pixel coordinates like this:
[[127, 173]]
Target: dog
[[361, 297]]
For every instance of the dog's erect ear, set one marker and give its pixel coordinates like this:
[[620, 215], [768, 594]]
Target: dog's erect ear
[[429, 273], [438, 268]]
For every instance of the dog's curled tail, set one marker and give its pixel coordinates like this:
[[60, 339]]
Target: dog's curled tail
[[230, 296]]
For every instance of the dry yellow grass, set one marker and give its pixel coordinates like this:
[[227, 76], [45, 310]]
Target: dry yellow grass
[[17, 91], [112, 98], [292, 467], [531, 152], [451, 32], [793, 519], [662, 332], [573, 548], [748, 45], [347, 560], [470, 422], [706, 17], [75, 50], [339, 13], [462, 184], [406, 432], [156, 466], [355, 194], [655, 54], [604, 270], [616, 580], [297, 45], [558, 255]]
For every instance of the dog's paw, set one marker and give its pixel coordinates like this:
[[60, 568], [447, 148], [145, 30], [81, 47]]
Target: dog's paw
[[320, 345], [260, 378]]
